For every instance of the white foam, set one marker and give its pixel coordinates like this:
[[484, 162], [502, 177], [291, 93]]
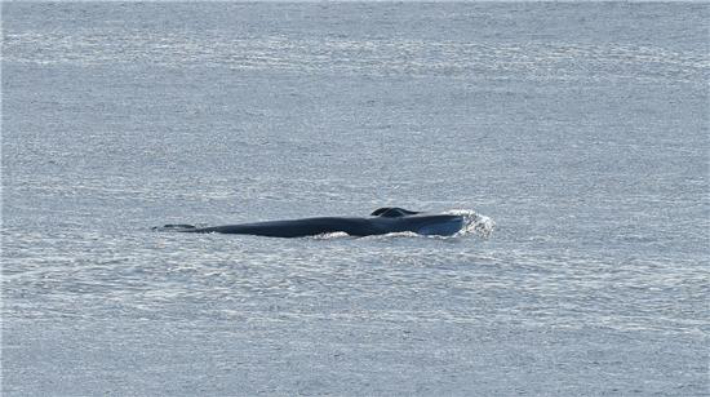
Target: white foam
[[474, 223]]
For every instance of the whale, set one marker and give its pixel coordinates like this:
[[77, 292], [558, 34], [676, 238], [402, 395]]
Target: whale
[[384, 220]]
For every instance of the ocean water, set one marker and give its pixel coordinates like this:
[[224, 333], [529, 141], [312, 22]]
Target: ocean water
[[576, 134]]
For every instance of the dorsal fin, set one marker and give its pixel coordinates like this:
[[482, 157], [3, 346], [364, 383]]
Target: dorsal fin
[[392, 212]]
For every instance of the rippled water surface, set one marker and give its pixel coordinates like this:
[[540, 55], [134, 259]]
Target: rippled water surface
[[577, 134]]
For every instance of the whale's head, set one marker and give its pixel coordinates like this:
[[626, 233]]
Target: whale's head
[[422, 223], [438, 225]]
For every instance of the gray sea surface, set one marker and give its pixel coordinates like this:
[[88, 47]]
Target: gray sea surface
[[576, 133]]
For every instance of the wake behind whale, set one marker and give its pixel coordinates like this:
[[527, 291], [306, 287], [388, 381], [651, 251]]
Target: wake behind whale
[[386, 220]]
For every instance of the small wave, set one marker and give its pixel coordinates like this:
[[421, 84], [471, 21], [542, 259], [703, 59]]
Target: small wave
[[394, 235], [474, 223], [341, 235], [330, 236], [173, 228]]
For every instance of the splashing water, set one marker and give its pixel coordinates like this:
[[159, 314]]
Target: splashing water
[[474, 223]]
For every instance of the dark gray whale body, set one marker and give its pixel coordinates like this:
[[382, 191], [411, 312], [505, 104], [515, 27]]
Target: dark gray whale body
[[382, 221]]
